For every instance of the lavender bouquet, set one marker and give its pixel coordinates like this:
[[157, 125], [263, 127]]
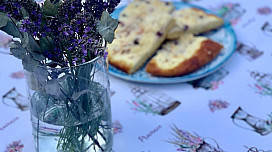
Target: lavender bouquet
[[57, 32], [62, 46]]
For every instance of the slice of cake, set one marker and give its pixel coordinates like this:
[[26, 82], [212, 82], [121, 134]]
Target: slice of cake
[[193, 20], [137, 10], [140, 8], [137, 39], [183, 56]]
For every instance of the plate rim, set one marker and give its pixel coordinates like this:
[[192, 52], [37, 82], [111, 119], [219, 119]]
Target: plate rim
[[181, 79]]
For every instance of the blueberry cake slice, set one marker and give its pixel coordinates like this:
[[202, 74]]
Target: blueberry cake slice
[[140, 8], [183, 55], [136, 42], [193, 20], [137, 10]]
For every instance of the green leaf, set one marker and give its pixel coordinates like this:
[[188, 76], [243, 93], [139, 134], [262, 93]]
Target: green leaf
[[37, 56], [18, 53], [33, 46], [46, 43], [107, 26], [49, 9], [33, 82], [11, 29], [3, 20], [29, 63], [41, 74], [17, 50], [24, 39]]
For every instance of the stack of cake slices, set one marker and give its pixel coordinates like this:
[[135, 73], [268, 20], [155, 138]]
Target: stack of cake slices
[[152, 28]]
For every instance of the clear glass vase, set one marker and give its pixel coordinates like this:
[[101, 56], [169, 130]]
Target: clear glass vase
[[70, 108]]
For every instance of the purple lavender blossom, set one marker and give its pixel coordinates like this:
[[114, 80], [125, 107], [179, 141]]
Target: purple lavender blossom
[[105, 55], [84, 52]]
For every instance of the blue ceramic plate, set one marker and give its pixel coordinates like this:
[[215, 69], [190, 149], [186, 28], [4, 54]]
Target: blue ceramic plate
[[224, 35]]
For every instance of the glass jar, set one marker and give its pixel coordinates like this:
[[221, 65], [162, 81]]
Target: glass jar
[[70, 108]]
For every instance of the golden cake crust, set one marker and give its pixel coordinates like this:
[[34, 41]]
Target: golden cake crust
[[122, 65], [207, 52]]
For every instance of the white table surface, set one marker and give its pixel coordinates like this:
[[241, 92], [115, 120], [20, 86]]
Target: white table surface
[[142, 130]]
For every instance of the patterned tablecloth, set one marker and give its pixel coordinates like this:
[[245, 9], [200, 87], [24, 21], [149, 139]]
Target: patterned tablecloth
[[229, 110]]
